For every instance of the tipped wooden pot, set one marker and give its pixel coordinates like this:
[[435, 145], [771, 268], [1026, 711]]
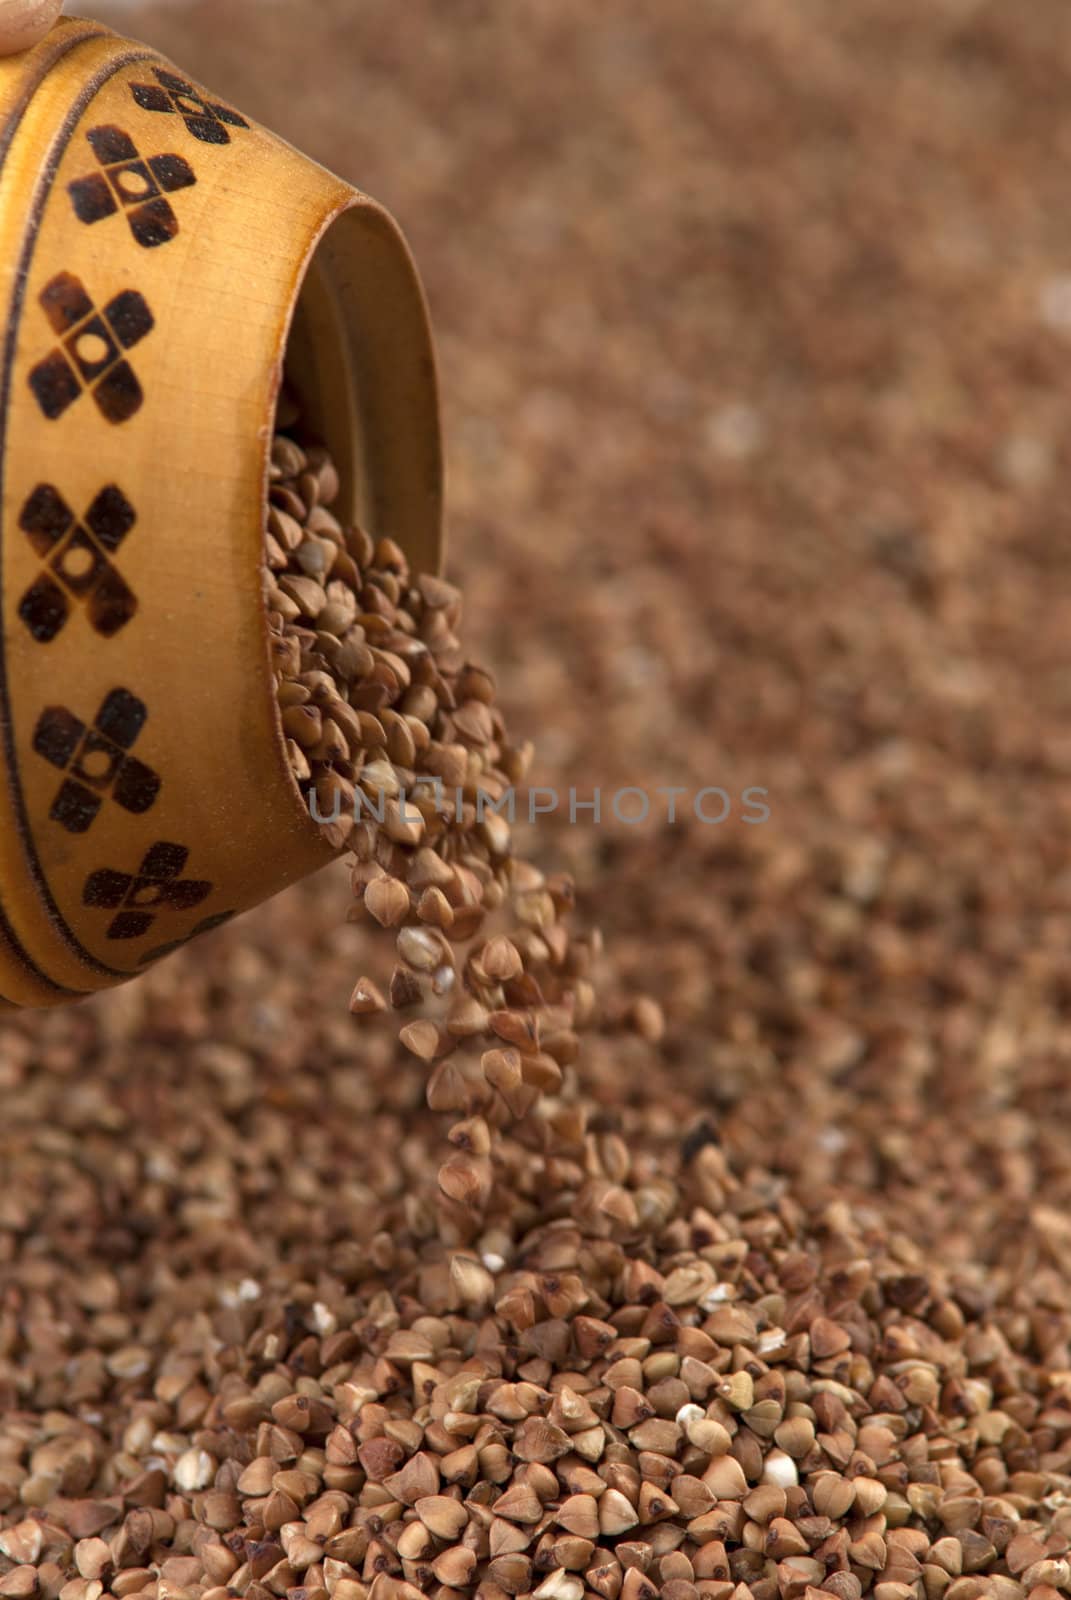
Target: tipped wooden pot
[[162, 260]]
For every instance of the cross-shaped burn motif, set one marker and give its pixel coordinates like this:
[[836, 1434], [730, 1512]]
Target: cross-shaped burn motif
[[90, 352], [79, 567], [96, 759], [137, 186], [207, 120], [139, 896]]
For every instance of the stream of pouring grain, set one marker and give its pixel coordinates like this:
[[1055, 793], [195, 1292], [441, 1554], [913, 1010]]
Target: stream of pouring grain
[[608, 1379]]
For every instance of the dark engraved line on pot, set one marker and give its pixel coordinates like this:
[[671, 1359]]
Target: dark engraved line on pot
[[47, 61], [45, 182]]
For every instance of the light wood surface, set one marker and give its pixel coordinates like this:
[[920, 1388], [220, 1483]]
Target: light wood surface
[[153, 248]]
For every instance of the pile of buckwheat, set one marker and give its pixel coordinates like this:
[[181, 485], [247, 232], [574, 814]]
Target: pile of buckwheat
[[758, 431], [544, 1337]]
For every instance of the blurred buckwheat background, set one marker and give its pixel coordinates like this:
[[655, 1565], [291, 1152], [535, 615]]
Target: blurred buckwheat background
[[754, 324]]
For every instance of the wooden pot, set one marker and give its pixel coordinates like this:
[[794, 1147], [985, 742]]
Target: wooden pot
[[161, 259]]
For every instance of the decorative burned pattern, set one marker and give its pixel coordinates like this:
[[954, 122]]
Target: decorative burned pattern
[[207, 120], [139, 896], [96, 760], [90, 355], [129, 183], [79, 566], [96, 325]]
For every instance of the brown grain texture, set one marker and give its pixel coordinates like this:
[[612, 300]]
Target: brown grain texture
[[754, 335]]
